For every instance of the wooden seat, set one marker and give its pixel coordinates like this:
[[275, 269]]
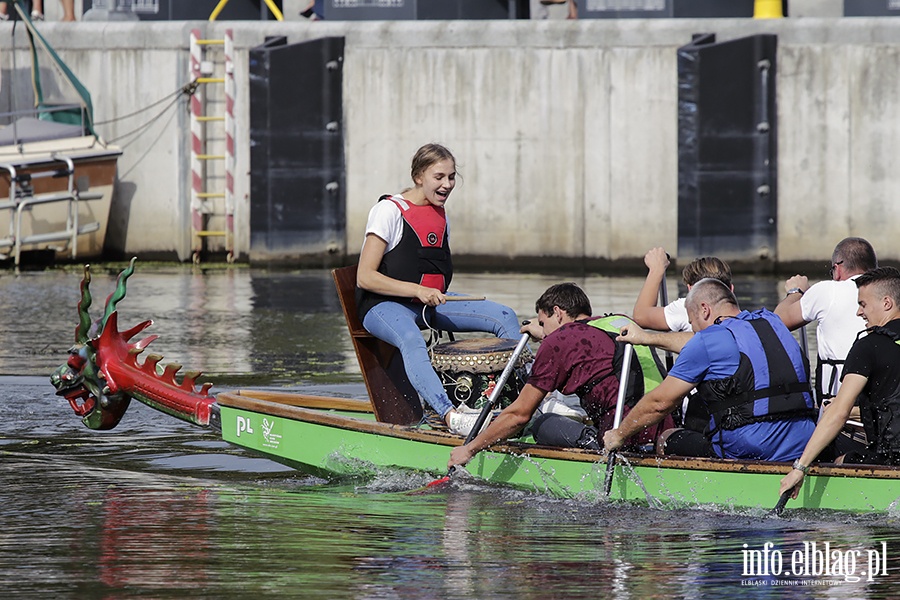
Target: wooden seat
[[393, 398]]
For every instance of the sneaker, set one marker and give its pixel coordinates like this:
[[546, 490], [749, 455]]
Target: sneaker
[[462, 423], [36, 16], [465, 408], [431, 418]]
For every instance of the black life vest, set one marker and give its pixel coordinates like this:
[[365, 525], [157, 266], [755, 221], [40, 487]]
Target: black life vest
[[646, 371], [881, 421], [823, 387], [772, 379], [422, 256]]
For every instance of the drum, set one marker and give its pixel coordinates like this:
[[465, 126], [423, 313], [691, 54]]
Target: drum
[[469, 368]]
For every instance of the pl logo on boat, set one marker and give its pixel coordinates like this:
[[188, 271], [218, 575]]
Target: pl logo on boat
[[243, 426], [270, 430], [272, 439]]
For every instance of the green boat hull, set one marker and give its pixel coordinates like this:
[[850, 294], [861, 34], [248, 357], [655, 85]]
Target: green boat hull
[[333, 442]]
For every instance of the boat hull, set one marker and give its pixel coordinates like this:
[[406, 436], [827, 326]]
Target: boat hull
[[342, 442], [94, 176]]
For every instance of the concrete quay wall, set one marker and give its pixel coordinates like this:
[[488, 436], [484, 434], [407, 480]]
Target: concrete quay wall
[[565, 131]]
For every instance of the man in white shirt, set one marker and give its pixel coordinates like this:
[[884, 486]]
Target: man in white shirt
[[833, 304]]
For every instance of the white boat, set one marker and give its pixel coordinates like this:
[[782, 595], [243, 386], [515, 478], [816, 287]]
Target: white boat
[[57, 175]]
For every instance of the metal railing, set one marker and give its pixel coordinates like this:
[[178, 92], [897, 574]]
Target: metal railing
[[22, 198]]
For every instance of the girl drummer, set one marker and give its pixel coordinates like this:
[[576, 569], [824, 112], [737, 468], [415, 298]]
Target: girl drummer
[[404, 272]]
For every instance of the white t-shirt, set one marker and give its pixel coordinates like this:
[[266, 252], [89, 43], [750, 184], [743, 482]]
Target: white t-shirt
[[833, 304], [386, 221], [676, 316]]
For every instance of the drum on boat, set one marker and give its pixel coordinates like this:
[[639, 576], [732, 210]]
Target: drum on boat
[[468, 369]]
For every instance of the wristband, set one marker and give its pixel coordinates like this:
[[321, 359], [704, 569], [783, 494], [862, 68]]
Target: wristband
[[800, 467], [795, 291]]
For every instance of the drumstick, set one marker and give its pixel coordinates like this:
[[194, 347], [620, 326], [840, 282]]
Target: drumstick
[[459, 298]]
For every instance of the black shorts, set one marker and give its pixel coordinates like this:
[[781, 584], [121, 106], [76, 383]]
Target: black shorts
[[685, 442], [869, 457], [556, 430]]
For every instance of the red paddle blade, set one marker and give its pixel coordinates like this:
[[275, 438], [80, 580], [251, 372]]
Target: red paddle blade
[[437, 482], [432, 486]]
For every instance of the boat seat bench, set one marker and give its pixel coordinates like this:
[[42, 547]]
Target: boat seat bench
[[394, 400]]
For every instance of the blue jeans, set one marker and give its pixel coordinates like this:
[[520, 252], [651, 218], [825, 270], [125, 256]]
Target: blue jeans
[[399, 325]]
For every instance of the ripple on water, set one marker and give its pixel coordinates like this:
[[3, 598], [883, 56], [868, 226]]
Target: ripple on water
[[157, 508]]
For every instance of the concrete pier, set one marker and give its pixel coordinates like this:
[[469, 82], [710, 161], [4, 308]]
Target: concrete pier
[[565, 131]]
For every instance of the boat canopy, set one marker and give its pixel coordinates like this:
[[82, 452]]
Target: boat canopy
[[64, 101], [28, 129]]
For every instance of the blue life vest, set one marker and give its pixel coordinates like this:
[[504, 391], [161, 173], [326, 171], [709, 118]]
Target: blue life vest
[[422, 256], [771, 382]]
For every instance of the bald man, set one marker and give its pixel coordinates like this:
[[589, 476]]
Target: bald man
[[750, 373]]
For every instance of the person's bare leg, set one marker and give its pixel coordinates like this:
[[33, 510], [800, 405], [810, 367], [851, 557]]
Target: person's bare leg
[[68, 10]]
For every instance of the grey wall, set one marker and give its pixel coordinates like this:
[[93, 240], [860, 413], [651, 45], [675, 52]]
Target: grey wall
[[565, 131]]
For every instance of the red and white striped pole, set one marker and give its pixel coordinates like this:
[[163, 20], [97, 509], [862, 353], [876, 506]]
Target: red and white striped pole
[[229, 144], [196, 147]]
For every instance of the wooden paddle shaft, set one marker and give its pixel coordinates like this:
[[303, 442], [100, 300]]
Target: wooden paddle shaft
[[461, 298], [664, 302], [623, 385], [488, 405], [617, 420], [804, 342], [498, 388]]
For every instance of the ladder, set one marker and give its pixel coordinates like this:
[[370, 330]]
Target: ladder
[[212, 174], [22, 198]]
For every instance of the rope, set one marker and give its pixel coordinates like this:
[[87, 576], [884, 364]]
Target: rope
[[187, 89], [149, 147], [146, 125], [434, 335]]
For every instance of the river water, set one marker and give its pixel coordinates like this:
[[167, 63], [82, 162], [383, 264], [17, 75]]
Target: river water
[[160, 509]]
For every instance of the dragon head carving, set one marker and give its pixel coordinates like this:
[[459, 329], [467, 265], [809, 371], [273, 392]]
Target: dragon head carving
[[102, 374]]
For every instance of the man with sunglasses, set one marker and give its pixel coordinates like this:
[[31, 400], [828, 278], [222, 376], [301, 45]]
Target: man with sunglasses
[[833, 305]]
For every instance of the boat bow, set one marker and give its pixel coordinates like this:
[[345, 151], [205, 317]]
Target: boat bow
[[102, 373]]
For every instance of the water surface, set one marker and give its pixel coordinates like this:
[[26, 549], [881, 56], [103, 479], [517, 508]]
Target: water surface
[[158, 508]]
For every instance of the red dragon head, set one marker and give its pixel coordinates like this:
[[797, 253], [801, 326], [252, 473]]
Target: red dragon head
[[102, 374]]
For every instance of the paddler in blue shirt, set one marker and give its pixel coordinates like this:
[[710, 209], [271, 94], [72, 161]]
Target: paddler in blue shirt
[[750, 373]]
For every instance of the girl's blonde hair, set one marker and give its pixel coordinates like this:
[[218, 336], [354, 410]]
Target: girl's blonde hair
[[707, 267], [426, 156]]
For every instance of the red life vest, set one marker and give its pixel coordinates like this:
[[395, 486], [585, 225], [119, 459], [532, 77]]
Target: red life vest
[[422, 256]]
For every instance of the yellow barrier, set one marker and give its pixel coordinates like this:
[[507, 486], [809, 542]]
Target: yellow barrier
[[272, 7], [767, 9]]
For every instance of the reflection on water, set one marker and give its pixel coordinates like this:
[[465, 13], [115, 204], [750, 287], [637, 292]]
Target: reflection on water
[[256, 325], [161, 509]]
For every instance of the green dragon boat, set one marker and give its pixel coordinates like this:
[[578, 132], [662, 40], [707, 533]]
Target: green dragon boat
[[332, 437], [328, 436]]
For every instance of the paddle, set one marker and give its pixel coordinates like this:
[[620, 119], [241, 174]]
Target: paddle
[[488, 406], [664, 301], [620, 407], [804, 342], [783, 500], [779, 508]]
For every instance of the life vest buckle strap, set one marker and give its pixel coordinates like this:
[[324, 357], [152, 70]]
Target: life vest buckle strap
[[785, 389]]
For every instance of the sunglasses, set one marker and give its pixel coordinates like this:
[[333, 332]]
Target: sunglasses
[[831, 270]]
